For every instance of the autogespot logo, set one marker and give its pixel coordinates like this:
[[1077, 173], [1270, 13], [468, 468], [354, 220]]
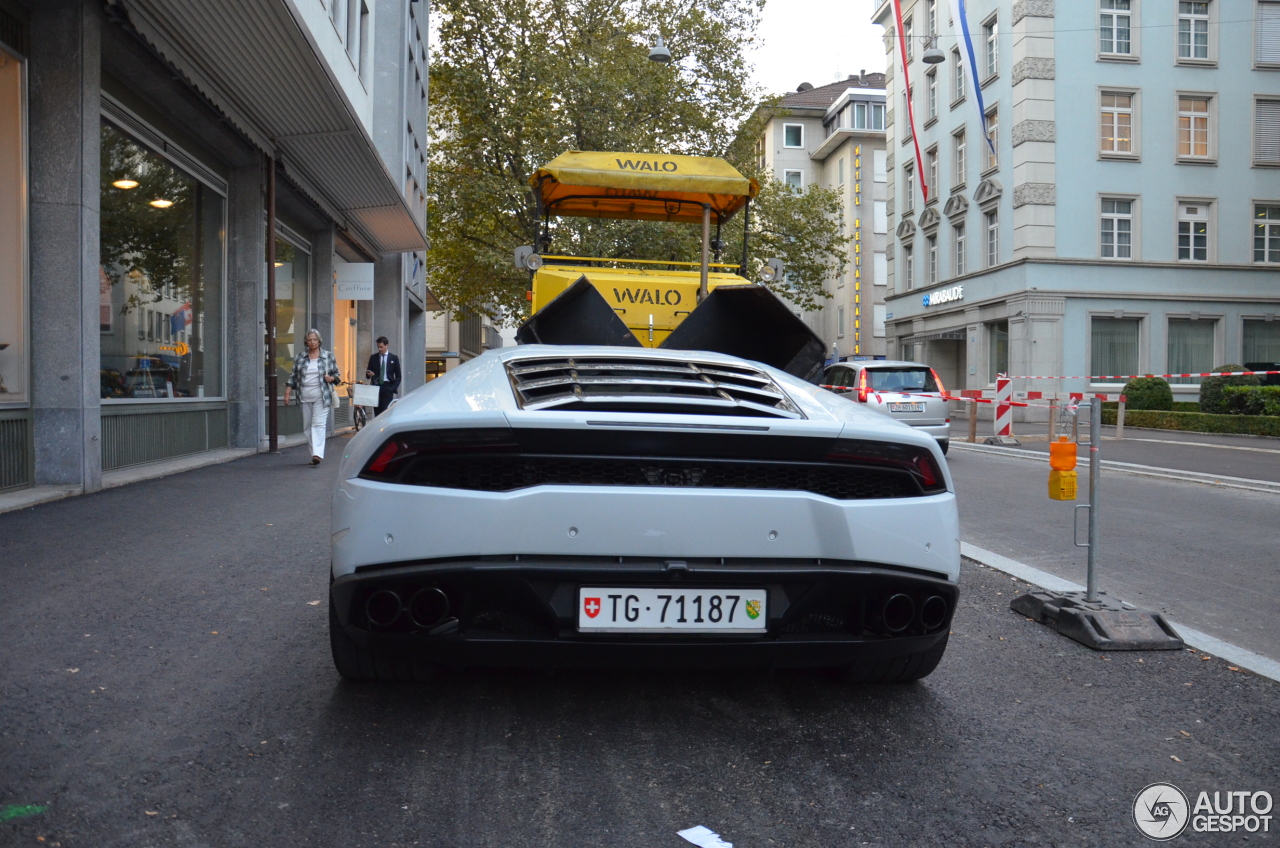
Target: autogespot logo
[[1160, 811]]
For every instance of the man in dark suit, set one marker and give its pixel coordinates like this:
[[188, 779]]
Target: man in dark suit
[[384, 372]]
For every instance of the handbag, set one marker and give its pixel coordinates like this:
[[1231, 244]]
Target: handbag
[[335, 402]]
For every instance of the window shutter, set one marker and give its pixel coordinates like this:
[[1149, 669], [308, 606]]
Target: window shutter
[[1266, 132], [1267, 32]]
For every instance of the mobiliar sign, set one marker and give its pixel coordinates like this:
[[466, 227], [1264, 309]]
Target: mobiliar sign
[[944, 296]]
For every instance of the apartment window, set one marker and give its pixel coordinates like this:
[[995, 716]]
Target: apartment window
[[958, 161], [1266, 132], [992, 221], [906, 113], [990, 38], [908, 187], [1261, 341], [957, 248], [1190, 348], [363, 64], [993, 141], [997, 349], [931, 16], [931, 161], [1113, 27], [908, 268], [1266, 33], [877, 116], [1117, 122], [1193, 30], [1193, 127], [338, 14], [932, 82], [907, 33], [879, 166], [879, 268], [793, 135], [1266, 234], [840, 322], [879, 217], [931, 260], [1116, 229], [1115, 346], [794, 180], [1193, 232], [957, 76], [860, 116]]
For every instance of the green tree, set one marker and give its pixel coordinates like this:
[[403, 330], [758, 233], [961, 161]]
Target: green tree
[[514, 83]]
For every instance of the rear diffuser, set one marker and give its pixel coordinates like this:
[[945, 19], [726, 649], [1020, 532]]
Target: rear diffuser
[[1104, 624]]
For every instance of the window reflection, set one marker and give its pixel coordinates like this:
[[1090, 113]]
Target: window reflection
[[160, 279], [293, 265]]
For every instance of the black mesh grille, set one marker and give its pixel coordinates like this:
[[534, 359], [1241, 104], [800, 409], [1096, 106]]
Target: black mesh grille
[[505, 473]]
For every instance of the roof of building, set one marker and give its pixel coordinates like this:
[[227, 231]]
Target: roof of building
[[820, 97]]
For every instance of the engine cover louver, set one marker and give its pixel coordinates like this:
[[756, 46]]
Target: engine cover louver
[[642, 384]]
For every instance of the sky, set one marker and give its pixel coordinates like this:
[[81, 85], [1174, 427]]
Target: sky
[[816, 41]]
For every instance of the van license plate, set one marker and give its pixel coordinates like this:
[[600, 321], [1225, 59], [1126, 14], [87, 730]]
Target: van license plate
[[906, 407]]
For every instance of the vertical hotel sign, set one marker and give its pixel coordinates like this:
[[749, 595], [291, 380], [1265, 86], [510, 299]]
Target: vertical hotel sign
[[857, 249]]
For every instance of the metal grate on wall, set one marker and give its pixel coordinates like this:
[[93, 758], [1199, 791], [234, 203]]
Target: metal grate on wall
[[15, 451], [132, 435]]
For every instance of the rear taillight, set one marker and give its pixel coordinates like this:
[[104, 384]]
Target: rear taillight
[[403, 449], [941, 388], [862, 387], [916, 461]]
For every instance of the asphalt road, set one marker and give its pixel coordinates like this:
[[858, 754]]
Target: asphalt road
[[1249, 457], [165, 680], [1203, 554]]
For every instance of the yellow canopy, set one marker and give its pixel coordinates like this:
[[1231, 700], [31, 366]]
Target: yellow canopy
[[642, 186]]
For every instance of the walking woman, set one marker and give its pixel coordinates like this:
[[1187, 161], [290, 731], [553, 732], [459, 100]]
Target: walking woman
[[314, 374]]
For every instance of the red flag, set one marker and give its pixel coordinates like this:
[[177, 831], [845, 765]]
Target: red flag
[[906, 83]]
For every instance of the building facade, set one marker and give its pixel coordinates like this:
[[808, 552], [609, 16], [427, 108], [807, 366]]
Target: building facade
[[833, 136], [1112, 217], [140, 144]]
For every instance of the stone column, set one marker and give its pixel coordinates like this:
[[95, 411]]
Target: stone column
[[389, 303], [246, 299], [64, 137], [1034, 130]]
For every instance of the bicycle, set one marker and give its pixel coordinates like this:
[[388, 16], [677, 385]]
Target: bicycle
[[359, 418]]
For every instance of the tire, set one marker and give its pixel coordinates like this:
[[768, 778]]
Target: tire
[[944, 446], [904, 669], [354, 662]]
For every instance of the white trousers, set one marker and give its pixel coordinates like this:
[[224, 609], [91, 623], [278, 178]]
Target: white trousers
[[315, 419]]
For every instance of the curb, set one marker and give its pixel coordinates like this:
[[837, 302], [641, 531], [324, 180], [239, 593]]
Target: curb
[[1244, 483], [1234, 654]]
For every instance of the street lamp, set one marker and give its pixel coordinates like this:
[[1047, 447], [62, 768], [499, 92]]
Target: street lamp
[[659, 52], [932, 55]]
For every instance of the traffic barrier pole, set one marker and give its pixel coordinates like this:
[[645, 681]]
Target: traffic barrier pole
[[1095, 465], [1120, 419], [973, 423], [1004, 410]]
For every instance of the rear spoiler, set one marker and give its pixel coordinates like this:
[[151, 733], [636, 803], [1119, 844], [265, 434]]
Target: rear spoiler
[[747, 321]]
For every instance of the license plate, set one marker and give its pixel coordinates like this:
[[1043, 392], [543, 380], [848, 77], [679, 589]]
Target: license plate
[[906, 407], [613, 610]]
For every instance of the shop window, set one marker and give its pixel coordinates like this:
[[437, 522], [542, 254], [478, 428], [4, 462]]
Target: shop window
[[1261, 341], [293, 276], [1114, 346], [13, 229], [997, 349], [161, 263], [1190, 348]]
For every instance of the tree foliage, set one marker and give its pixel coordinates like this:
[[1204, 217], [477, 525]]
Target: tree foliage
[[514, 83]]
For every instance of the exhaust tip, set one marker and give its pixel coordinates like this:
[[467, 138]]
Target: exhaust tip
[[899, 610], [429, 607], [383, 608], [933, 612]]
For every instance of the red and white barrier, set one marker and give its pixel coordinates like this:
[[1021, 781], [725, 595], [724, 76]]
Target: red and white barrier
[[1004, 406], [1111, 378]]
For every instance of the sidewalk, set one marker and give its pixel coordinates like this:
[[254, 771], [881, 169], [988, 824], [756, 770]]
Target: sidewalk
[[1248, 457]]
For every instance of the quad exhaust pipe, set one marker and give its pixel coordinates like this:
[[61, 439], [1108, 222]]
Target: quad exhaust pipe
[[427, 608], [899, 611]]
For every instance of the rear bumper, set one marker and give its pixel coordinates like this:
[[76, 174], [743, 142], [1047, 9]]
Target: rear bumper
[[941, 432], [509, 611]]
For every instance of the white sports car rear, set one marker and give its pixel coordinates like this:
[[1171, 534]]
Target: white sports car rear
[[600, 506]]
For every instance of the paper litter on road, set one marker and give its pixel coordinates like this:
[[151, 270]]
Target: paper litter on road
[[704, 837]]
